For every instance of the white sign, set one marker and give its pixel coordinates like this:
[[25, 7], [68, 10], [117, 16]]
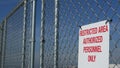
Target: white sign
[[94, 45]]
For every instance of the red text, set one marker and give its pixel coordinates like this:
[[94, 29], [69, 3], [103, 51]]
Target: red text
[[90, 49], [96, 39]]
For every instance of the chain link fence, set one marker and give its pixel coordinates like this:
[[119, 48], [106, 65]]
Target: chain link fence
[[49, 34], [18, 37], [59, 32], [71, 15]]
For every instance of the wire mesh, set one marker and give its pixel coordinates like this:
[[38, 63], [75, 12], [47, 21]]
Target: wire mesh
[[18, 37], [13, 48], [75, 13], [72, 14], [49, 34]]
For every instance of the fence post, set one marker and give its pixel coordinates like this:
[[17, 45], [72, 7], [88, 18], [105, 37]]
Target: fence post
[[42, 34], [4, 28], [33, 33], [24, 36], [56, 36]]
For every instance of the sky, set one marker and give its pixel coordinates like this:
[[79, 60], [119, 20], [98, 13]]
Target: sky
[[6, 7]]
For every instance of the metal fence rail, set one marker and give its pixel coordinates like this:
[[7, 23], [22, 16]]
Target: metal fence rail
[[72, 14], [18, 37]]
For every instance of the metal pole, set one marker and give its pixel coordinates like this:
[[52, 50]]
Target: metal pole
[[56, 36], [42, 34], [4, 43], [24, 36], [33, 33]]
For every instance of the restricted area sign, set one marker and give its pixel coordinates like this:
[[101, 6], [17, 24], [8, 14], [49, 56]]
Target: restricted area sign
[[94, 45]]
